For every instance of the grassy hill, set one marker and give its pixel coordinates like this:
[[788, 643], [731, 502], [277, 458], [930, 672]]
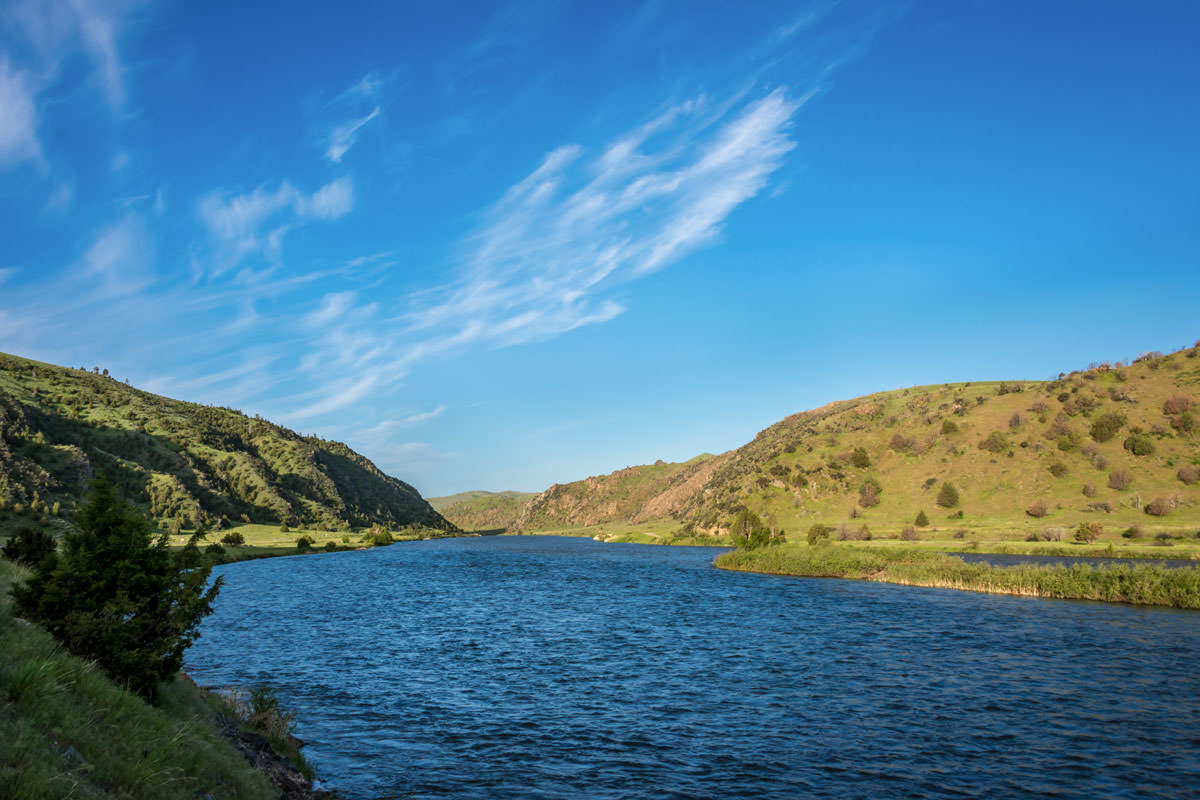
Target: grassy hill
[[185, 463], [1115, 444], [482, 511]]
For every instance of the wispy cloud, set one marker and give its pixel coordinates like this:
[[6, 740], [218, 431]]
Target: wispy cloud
[[256, 222], [342, 138], [18, 116], [424, 416]]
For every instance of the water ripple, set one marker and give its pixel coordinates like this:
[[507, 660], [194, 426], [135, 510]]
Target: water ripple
[[539, 667]]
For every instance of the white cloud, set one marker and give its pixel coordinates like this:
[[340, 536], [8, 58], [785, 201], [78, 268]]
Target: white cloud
[[18, 116], [119, 256], [424, 416], [333, 308], [343, 137], [236, 222]]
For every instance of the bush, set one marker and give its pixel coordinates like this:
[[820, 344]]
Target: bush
[[116, 597], [1120, 479], [283, 527], [1089, 490], [901, 443], [1139, 444], [818, 533], [860, 458], [1134, 531], [949, 427], [29, 546], [921, 521], [868, 493], [947, 496], [330, 546], [1160, 507], [996, 442], [304, 543], [1088, 532], [214, 549], [909, 534], [1037, 509], [1106, 426], [1184, 423], [1178, 404], [233, 539], [1188, 473], [1058, 469]]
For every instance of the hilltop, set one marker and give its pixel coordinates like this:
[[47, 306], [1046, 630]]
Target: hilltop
[[1114, 444], [186, 464]]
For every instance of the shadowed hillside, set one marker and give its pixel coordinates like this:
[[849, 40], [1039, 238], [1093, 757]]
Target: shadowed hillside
[[1114, 444], [187, 464]]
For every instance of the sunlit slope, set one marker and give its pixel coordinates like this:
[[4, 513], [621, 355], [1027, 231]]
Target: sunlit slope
[[182, 461], [1115, 444], [479, 510]]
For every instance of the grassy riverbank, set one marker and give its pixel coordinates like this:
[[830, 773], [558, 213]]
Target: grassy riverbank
[[68, 731], [1142, 584]]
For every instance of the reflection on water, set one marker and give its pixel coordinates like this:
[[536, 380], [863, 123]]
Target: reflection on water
[[543, 667]]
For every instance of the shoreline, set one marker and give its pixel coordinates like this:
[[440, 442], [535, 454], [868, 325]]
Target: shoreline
[[1140, 584]]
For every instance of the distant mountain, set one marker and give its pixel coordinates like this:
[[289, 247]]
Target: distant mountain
[[1116, 443], [180, 461], [481, 511]]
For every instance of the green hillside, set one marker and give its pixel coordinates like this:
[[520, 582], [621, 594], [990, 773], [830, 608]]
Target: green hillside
[[1114, 444], [482, 511], [185, 463]]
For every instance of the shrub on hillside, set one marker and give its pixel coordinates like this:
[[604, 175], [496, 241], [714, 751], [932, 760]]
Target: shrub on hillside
[[901, 443], [1106, 426], [922, 521], [818, 533], [860, 458], [1177, 404], [948, 426], [947, 496], [1160, 506], [1037, 509], [1089, 490], [304, 543], [868, 493], [909, 534], [1139, 444], [996, 442], [1188, 473], [1058, 469], [118, 597], [850, 533], [29, 546], [233, 539], [1015, 420], [1120, 479], [1184, 423]]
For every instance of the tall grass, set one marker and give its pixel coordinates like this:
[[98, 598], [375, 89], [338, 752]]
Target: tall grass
[[67, 731], [1143, 584]]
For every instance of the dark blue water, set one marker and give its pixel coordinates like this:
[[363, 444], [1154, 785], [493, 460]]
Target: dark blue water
[[540, 667]]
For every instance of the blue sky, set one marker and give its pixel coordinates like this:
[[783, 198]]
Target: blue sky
[[506, 244]]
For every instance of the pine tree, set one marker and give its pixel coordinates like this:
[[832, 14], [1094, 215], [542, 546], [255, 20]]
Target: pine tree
[[116, 595], [947, 496]]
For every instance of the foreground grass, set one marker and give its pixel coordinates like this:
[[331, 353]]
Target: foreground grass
[[67, 731], [1142, 584]]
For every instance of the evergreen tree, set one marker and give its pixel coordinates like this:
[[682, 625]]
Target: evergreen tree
[[116, 595], [947, 496], [921, 521]]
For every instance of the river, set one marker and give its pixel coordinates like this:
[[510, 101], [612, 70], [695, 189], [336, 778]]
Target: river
[[553, 667]]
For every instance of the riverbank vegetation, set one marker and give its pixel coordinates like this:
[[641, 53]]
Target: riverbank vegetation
[[1143, 584], [69, 731]]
